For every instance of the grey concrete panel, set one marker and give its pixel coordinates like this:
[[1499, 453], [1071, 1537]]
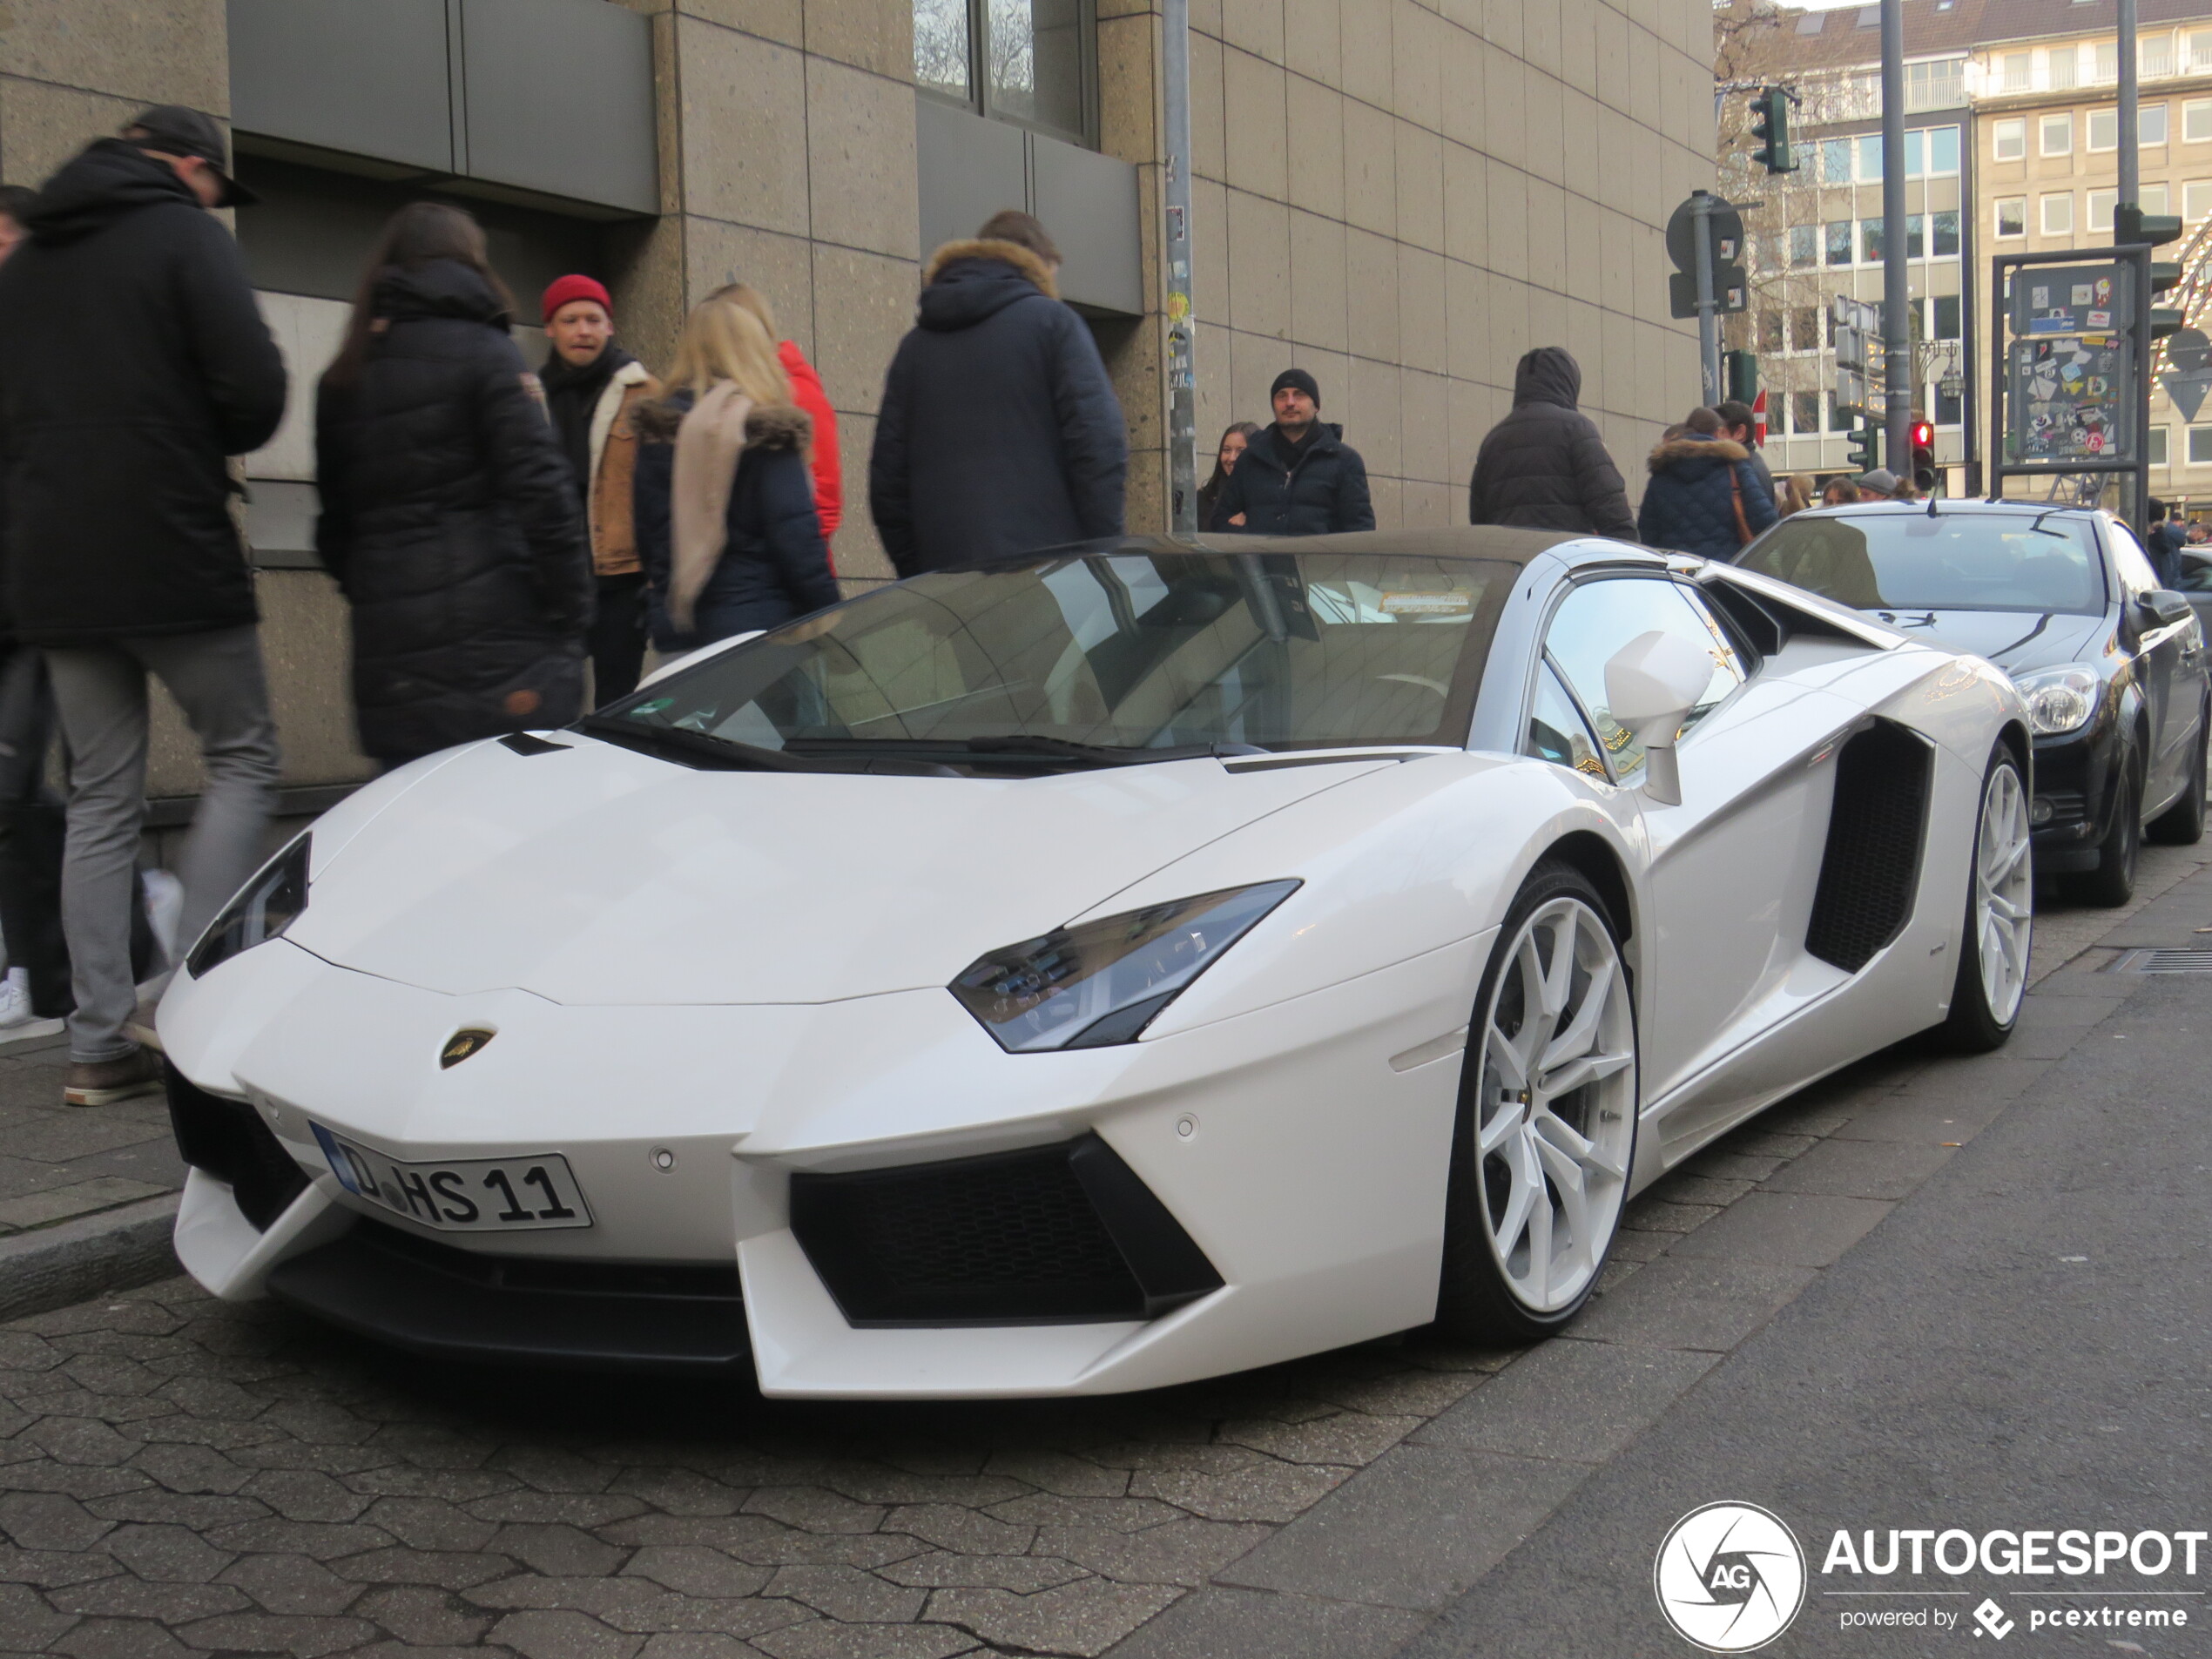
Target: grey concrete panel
[[1574, 1400], [1413, 1530], [559, 98], [368, 80], [1676, 1302], [1089, 204], [1786, 1228], [966, 168]]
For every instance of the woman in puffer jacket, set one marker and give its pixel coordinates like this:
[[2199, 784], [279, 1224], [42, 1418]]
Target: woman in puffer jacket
[[449, 515], [1704, 496], [726, 521]]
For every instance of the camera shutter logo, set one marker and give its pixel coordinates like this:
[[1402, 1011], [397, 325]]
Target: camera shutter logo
[[1729, 1577]]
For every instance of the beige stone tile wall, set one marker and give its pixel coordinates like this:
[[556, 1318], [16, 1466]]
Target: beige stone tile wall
[[1404, 198]]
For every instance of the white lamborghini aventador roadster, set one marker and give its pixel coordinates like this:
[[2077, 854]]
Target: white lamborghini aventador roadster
[[1121, 967]]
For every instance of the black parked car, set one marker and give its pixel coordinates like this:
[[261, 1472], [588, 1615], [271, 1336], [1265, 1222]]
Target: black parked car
[[2065, 600]]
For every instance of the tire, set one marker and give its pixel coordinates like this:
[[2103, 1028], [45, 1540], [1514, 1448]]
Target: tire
[[2001, 917], [1557, 1159], [2182, 823], [2113, 882]]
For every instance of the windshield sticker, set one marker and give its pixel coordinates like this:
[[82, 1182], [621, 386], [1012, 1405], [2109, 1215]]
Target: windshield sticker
[[1427, 604]]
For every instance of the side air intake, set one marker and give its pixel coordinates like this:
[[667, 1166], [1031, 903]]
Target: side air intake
[[1875, 830]]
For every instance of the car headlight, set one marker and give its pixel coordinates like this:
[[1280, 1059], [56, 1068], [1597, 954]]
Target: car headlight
[[2060, 700], [1101, 981], [263, 907]]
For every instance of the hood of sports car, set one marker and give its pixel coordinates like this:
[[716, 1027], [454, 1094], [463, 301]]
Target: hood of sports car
[[2015, 640], [595, 875]]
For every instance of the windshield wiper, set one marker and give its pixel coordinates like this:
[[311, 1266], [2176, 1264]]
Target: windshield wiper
[[685, 748]]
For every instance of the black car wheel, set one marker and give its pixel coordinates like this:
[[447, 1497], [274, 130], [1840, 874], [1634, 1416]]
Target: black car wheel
[[2182, 823], [2113, 882]]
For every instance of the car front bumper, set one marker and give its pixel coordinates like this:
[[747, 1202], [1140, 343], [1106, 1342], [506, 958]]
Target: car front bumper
[[1305, 1169], [2072, 809]]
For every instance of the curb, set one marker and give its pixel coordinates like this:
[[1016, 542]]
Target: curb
[[74, 1261]]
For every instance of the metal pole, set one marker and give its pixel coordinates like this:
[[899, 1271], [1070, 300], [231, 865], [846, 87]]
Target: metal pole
[[1897, 322], [1708, 359], [2130, 158], [1175, 244]]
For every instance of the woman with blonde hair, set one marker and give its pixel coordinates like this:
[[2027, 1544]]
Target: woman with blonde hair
[[1796, 494], [726, 522], [806, 391]]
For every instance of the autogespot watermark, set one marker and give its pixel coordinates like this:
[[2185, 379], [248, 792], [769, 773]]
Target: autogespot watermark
[[1730, 1578]]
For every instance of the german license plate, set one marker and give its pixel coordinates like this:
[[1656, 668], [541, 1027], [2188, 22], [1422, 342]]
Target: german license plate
[[463, 1195]]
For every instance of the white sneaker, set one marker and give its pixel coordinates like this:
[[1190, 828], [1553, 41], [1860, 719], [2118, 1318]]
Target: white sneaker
[[164, 907], [14, 998]]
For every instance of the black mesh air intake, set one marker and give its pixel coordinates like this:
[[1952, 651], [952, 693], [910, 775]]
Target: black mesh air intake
[[1875, 829], [1061, 1235], [228, 1139]]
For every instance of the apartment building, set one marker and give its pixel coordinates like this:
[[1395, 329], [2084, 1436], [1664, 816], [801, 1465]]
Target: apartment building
[[2043, 75], [1401, 195]]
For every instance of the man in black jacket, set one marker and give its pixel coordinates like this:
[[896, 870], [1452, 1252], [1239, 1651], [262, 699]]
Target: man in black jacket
[[1297, 477], [137, 362], [999, 431], [1544, 466]]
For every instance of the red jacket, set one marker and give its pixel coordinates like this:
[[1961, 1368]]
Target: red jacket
[[806, 392]]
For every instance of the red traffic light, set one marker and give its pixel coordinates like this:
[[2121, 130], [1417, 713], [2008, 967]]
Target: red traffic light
[[1923, 434]]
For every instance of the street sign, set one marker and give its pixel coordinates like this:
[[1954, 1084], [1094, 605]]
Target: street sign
[[1726, 229], [1732, 291], [2189, 374], [1858, 329]]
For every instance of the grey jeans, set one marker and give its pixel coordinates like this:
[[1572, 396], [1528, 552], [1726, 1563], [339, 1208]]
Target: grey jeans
[[100, 696]]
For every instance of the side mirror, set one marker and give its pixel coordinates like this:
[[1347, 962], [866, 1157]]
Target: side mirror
[[1651, 685], [2169, 607]]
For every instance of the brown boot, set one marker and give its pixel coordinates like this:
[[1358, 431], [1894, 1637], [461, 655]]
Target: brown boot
[[102, 1083]]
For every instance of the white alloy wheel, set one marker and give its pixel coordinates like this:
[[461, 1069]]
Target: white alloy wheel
[[2003, 894], [1556, 1104]]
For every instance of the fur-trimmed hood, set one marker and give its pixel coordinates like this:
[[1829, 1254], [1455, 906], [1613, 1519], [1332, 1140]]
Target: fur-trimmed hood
[[782, 427], [973, 281], [1691, 447], [990, 247]]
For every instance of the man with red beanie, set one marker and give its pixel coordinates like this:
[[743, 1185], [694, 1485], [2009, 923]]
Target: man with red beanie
[[592, 388]]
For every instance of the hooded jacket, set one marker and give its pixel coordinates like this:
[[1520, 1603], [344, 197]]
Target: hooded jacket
[[1305, 489], [136, 361], [451, 520], [1689, 505], [775, 562], [999, 432], [1544, 466]]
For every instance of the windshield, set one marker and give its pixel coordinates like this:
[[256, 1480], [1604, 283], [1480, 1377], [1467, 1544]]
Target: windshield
[[1137, 650], [1896, 560]]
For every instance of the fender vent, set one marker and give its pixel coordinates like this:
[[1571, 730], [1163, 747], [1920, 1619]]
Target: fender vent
[[228, 1139], [1061, 1235], [1871, 866]]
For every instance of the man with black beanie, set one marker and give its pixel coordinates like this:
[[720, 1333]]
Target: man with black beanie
[[1297, 477]]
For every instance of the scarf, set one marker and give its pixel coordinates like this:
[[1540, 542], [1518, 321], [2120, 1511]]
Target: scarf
[[709, 443]]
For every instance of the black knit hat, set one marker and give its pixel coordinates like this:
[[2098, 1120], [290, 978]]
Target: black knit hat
[[1300, 378]]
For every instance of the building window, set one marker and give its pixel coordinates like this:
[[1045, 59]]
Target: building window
[[1946, 317], [2155, 57], [2104, 128], [1839, 242], [2154, 198], [2196, 199], [2108, 62], [1804, 246], [2008, 141], [1838, 421], [2012, 216], [2017, 72], [1804, 328], [2201, 446], [2058, 215], [1935, 86], [1771, 331], [1869, 158], [1805, 411], [1916, 242], [1835, 161], [1870, 240], [2057, 135], [2102, 202], [2064, 61], [1946, 234], [1026, 61], [1943, 151], [2196, 121], [2156, 446], [2150, 124], [2201, 52]]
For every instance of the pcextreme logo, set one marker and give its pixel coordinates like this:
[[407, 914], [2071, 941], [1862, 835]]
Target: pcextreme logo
[[1729, 1577]]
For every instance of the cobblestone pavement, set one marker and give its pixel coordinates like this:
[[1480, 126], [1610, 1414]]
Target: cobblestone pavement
[[57, 1163], [179, 1476]]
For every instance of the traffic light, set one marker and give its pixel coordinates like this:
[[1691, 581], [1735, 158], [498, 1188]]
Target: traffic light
[[1770, 126], [1924, 474], [1742, 376], [1865, 448], [2130, 224]]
